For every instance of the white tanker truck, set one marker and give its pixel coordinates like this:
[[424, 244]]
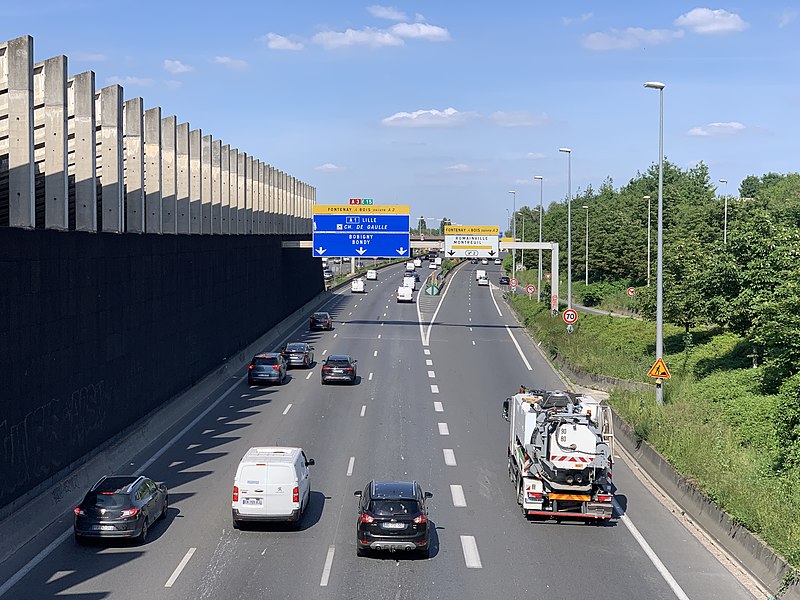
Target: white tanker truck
[[560, 452]]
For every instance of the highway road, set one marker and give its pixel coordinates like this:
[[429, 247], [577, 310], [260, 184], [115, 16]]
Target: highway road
[[427, 407]]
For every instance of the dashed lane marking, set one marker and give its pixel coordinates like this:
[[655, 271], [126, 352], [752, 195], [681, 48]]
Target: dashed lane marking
[[427, 352], [443, 429], [363, 409], [370, 376], [429, 362], [437, 406], [180, 567], [288, 407], [457, 492], [309, 375], [350, 466], [431, 374], [326, 570], [449, 457], [375, 353], [335, 334], [470, 549], [473, 342], [434, 389], [324, 352]]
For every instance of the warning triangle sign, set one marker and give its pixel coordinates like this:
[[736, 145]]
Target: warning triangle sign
[[659, 369]]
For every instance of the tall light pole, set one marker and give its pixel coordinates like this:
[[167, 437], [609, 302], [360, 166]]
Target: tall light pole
[[539, 279], [508, 218], [522, 259], [514, 235], [657, 85], [569, 225], [725, 221], [586, 266], [648, 239]]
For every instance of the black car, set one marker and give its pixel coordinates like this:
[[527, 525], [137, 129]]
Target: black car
[[504, 280], [413, 274], [267, 367], [298, 354], [392, 516], [339, 367], [120, 506], [320, 320], [473, 261]]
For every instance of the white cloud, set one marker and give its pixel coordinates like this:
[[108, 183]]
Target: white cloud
[[627, 39], [519, 118], [236, 64], [173, 84], [280, 42], [448, 117], [368, 36], [424, 31], [717, 129], [130, 81], [787, 17], [581, 19], [88, 56], [707, 21], [536, 155], [386, 12], [176, 66], [328, 167], [463, 168]]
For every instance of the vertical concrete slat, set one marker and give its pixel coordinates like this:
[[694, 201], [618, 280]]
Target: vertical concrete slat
[[207, 182], [250, 209], [270, 199], [152, 170], [111, 147], [226, 189], [134, 165], [182, 178], [257, 198], [21, 185], [216, 186], [262, 174], [241, 192], [56, 180], [85, 144], [169, 181], [233, 218], [284, 199]]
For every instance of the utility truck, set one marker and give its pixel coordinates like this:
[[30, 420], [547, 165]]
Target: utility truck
[[560, 453]]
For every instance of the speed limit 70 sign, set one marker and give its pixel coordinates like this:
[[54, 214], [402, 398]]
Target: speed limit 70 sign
[[570, 316]]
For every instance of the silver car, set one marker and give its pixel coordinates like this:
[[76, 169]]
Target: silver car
[[298, 354]]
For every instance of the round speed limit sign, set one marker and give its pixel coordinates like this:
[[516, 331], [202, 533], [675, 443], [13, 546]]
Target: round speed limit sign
[[569, 316]]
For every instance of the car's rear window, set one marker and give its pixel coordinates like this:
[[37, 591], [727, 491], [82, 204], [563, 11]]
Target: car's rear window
[[336, 362], [319, 316], [106, 500], [265, 360], [388, 508], [295, 348]]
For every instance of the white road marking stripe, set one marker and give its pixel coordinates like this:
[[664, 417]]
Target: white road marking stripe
[[443, 429], [179, 568], [326, 570], [324, 352], [379, 336], [384, 314], [470, 318], [192, 446], [310, 373], [473, 342], [381, 324], [513, 339], [449, 457], [470, 549], [434, 389], [375, 353], [363, 409], [470, 328], [427, 352], [348, 314], [207, 431], [335, 334], [288, 408], [431, 374], [370, 376], [470, 310], [355, 306], [457, 492], [437, 406], [491, 293], [175, 463], [350, 466], [429, 362]]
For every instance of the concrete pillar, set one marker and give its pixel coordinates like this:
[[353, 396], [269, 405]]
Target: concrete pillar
[[152, 170], [216, 186], [226, 189], [256, 178], [56, 180], [85, 149], [111, 150], [182, 178], [134, 165], [284, 203], [21, 186], [241, 192], [169, 179], [233, 219], [205, 191], [268, 178], [250, 195]]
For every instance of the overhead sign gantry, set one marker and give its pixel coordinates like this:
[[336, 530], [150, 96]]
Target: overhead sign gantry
[[366, 230]]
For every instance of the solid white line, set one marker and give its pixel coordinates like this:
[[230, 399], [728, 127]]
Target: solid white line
[[449, 457], [350, 466], [326, 570], [363, 409], [375, 353], [443, 429], [457, 492], [491, 293], [470, 549], [513, 339], [676, 588], [434, 389], [370, 376], [288, 408], [428, 362], [309, 374], [179, 568], [427, 337], [431, 374], [427, 352], [437, 406]]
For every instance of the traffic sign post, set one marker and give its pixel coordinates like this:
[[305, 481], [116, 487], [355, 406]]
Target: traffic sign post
[[361, 229], [530, 290], [513, 282], [570, 316], [471, 241], [631, 291]]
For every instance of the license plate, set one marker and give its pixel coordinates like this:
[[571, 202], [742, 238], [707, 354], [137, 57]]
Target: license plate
[[297, 356], [103, 527], [337, 371], [251, 501], [393, 525]]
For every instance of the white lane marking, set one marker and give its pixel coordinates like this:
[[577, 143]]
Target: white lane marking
[[443, 429], [434, 389], [470, 328], [437, 406], [457, 492], [288, 408], [428, 362], [513, 339], [370, 376], [348, 314], [175, 463], [355, 305], [384, 314], [375, 353], [192, 446], [469, 303], [363, 409], [473, 342], [326, 570], [335, 334], [179, 568], [324, 352], [350, 466], [449, 457], [381, 324], [222, 418], [470, 318], [310, 373], [59, 574], [470, 549], [387, 306], [431, 374], [676, 588], [470, 310], [379, 336], [426, 335], [427, 352], [491, 293]]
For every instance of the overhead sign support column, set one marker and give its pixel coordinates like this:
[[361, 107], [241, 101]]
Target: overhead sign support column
[[361, 230]]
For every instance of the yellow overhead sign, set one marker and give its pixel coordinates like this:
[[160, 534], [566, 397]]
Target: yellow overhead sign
[[471, 230], [347, 209], [507, 239]]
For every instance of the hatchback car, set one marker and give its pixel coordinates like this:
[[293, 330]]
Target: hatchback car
[[392, 515], [298, 354], [120, 506], [269, 367], [498, 261], [320, 320], [504, 280], [327, 274], [339, 367]]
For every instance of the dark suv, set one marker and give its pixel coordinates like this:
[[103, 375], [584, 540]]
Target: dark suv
[[320, 320], [269, 367], [392, 516], [120, 506], [338, 367], [298, 354]]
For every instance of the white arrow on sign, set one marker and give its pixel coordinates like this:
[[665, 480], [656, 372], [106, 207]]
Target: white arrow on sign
[[401, 250], [361, 250], [319, 250]]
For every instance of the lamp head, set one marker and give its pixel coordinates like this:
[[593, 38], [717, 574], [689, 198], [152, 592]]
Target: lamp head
[[654, 85]]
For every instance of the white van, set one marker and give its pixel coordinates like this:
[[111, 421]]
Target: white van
[[417, 262], [357, 286], [372, 275], [410, 265], [272, 484], [405, 294], [438, 261], [479, 273], [410, 282]]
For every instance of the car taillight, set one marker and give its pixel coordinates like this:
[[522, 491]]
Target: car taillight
[[604, 497], [78, 511], [420, 519], [348, 368], [131, 512], [326, 368], [365, 518], [296, 494], [251, 367], [276, 367], [235, 494]]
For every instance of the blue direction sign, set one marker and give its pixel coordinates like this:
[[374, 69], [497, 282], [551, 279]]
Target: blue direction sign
[[368, 231], [372, 245]]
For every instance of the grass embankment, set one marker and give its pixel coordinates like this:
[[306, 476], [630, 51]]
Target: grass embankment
[[716, 427]]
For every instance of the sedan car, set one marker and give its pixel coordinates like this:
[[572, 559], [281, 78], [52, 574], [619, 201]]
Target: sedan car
[[504, 280], [298, 354], [392, 515], [320, 320], [484, 261], [497, 261], [339, 367], [269, 367], [120, 506]]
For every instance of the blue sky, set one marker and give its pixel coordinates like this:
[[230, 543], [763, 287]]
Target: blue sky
[[448, 105]]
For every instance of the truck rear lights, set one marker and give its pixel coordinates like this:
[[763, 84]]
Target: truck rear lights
[[365, 518], [604, 497], [296, 494], [535, 495], [235, 494]]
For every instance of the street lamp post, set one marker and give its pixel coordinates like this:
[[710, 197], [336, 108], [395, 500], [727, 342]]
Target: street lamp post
[[514, 235], [657, 85], [569, 225], [522, 259], [586, 266], [725, 221], [648, 239], [539, 278]]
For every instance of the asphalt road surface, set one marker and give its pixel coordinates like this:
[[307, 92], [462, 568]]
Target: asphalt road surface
[[427, 406]]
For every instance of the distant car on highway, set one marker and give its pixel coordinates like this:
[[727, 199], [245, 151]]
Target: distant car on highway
[[413, 274], [497, 261], [327, 274], [417, 262], [392, 515], [320, 320], [473, 261], [483, 281], [339, 367], [357, 286], [405, 294], [298, 354], [372, 275], [432, 265], [484, 261], [504, 280], [120, 506], [268, 367]]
